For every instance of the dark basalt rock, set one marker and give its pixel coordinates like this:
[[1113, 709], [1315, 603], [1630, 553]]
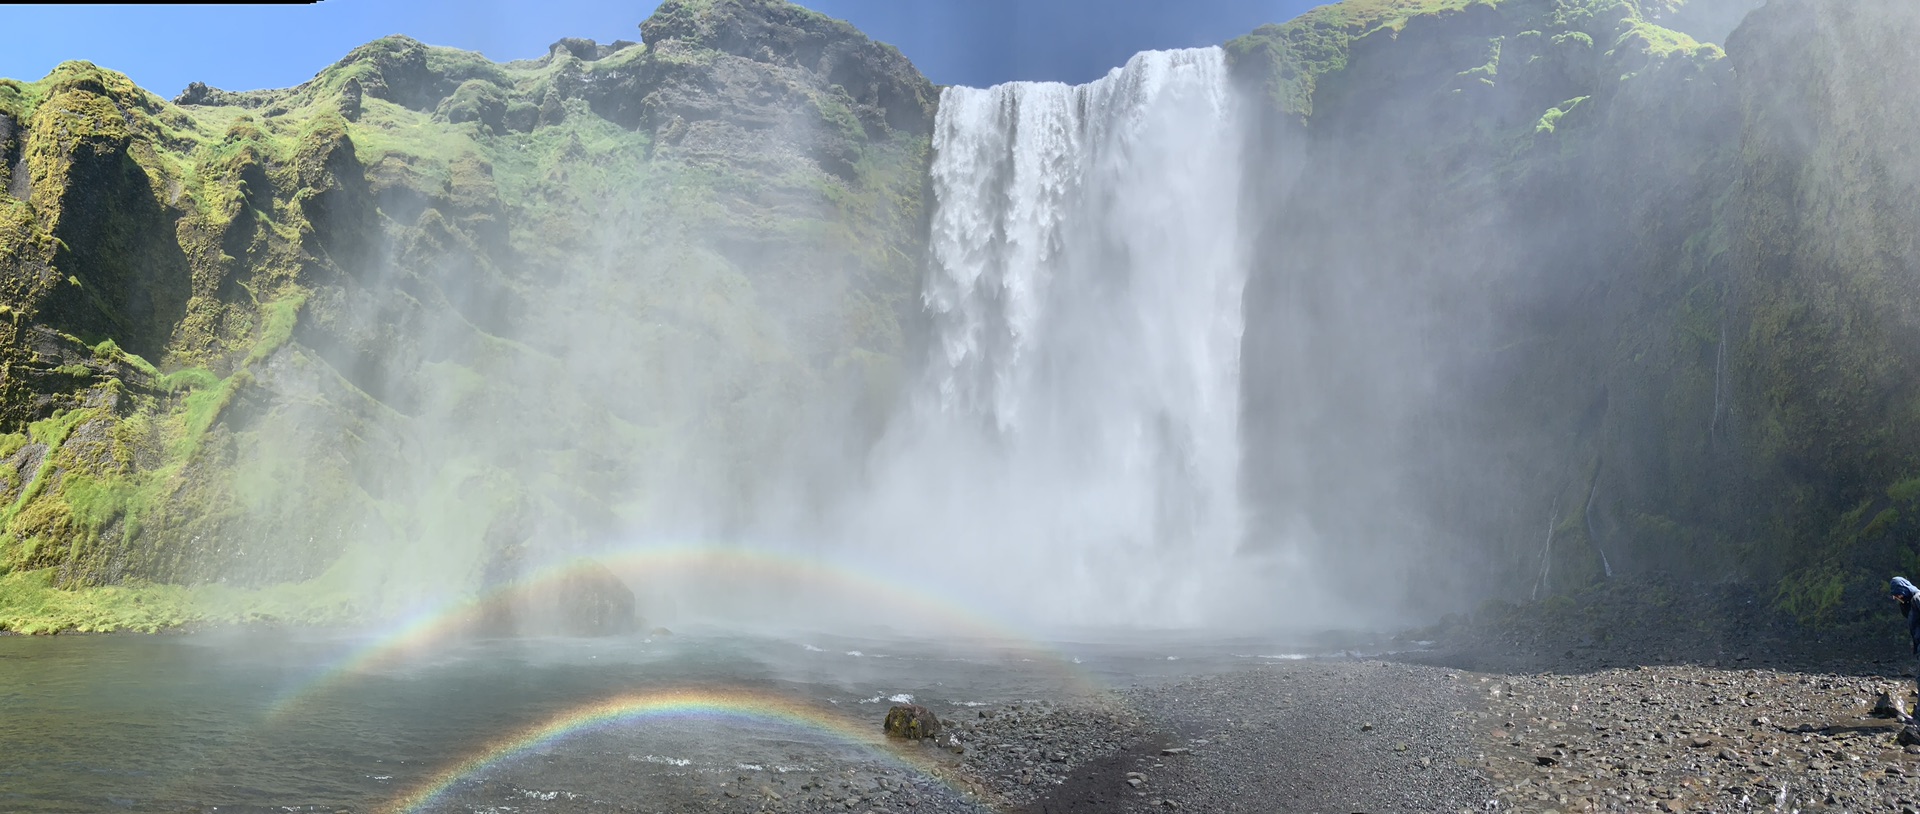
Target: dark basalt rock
[[197, 93], [200, 93], [1888, 706], [588, 601], [350, 98], [912, 721]]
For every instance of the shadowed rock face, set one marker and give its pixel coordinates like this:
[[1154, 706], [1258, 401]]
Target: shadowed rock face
[[1544, 296], [587, 601], [585, 598], [1462, 316], [782, 41]]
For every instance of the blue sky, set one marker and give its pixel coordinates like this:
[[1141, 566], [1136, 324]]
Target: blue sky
[[970, 42]]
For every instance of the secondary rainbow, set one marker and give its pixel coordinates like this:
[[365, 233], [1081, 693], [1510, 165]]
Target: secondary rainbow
[[446, 623], [745, 707]]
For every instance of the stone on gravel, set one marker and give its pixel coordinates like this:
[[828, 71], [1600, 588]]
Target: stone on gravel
[[912, 721], [1887, 706]]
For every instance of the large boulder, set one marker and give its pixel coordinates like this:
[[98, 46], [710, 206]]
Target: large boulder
[[912, 721], [586, 599]]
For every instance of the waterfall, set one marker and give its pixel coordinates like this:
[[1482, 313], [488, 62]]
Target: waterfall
[[1071, 454]]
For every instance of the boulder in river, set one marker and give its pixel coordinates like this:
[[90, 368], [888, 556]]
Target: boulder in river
[[585, 600], [912, 721]]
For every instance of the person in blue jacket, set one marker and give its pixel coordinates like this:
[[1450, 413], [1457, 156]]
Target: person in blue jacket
[[1908, 597]]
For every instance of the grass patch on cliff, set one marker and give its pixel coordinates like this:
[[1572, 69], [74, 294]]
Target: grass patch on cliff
[[1550, 119], [1905, 491], [52, 432], [1290, 59], [1292, 56], [282, 315], [1813, 595], [31, 604], [203, 407]]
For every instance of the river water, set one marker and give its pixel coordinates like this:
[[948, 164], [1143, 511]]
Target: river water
[[272, 720]]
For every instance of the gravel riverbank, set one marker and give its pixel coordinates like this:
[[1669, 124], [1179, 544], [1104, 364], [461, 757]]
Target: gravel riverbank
[[1630, 699]]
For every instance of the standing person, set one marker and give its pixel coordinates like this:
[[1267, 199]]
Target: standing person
[[1908, 597]]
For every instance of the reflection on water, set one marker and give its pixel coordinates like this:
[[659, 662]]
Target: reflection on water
[[266, 718]]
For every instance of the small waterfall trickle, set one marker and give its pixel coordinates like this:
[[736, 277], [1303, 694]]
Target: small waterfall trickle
[[1072, 454]]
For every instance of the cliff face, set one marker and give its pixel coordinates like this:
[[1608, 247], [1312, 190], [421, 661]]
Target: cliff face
[[1589, 297], [425, 299], [1822, 269], [1483, 309]]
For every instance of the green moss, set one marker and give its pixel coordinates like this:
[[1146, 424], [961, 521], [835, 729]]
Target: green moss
[[1880, 524], [282, 315], [1581, 38], [1551, 118], [107, 351], [203, 407], [1485, 73], [1290, 58], [96, 502], [1291, 61], [1855, 516], [30, 603], [1812, 595], [192, 378], [52, 433], [1905, 491]]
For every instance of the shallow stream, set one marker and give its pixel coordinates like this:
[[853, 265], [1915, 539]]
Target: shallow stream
[[259, 720]]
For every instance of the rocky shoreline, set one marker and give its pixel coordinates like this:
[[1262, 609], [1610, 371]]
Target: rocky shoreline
[[1631, 697]]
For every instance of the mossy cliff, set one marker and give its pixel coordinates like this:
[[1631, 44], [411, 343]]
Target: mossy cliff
[[1608, 299], [1822, 269], [321, 334]]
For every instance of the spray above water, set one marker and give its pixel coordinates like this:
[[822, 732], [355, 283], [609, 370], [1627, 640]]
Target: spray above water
[[741, 587], [1072, 452]]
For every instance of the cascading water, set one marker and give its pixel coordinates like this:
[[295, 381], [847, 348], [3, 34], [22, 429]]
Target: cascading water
[[1071, 456]]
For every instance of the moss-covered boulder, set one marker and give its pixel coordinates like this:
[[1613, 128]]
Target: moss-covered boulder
[[912, 722]]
